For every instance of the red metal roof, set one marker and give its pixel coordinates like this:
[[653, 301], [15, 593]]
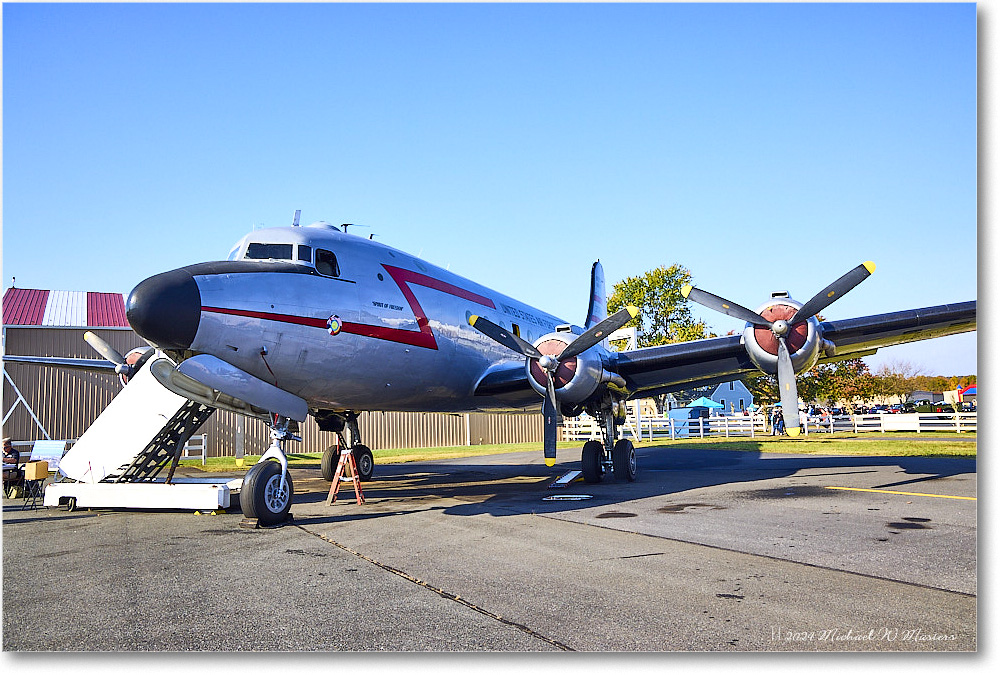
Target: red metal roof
[[31, 307], [106, 309], [24, 306]]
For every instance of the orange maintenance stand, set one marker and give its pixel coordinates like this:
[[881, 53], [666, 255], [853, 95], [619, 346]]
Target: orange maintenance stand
[[345, 466]]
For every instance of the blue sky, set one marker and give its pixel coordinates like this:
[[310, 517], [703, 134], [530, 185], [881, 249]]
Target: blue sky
[[762, 146]]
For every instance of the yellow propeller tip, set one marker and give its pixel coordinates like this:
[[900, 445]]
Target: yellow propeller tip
[[793, 431], [870, 266], [686, 290], [550, 461], [473, 319], [633, 310]]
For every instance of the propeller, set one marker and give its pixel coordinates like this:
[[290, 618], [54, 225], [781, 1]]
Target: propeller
[[122, 366], [780, 328], [549, 363]]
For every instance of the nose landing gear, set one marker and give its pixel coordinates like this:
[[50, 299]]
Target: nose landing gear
[[266, 495]]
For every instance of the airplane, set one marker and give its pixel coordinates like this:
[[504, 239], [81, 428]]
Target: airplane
[[311, 320]]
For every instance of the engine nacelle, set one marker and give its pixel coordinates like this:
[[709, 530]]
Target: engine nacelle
[[577, 378], [804, 339]]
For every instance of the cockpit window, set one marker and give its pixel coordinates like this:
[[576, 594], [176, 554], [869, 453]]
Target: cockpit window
[[257, 251], [326, 263], [305, 253]]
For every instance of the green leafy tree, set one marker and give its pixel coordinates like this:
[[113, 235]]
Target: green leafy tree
[[851, 381], [763, 388], [664, 313], [896, 379]]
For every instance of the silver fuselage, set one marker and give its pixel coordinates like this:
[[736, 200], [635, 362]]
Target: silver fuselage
[[391, 332]]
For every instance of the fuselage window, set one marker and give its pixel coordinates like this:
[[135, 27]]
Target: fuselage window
[[257, 251], [326, 263], [305, 253]]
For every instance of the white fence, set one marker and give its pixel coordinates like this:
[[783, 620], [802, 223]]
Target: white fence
[[195, 448], [660, 428]]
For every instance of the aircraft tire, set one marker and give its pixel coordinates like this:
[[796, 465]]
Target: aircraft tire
[[623, 458], [328, 465], [261, 496], [365, 460], [590, 461]]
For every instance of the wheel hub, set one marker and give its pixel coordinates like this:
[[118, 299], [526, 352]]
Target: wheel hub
[[276, 494]]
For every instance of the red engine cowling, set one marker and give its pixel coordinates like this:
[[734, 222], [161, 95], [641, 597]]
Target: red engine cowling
[[577, 378], [804, 339]]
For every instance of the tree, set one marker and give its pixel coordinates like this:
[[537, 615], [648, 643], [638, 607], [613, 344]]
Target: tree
[[664, 314], [896, 378], [850, 381], [763, 388]]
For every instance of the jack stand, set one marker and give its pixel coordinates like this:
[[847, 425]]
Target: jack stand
[[346, 465]]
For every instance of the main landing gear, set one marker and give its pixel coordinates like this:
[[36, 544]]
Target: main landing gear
[[600, 459], [363, 457], [267, 489]]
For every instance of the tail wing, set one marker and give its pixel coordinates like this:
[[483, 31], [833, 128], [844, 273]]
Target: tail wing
[[598, 310]]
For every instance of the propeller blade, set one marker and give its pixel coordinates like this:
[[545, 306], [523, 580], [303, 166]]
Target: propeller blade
[[504, 337], [828, 295], [550, 416], [722, 305], [787, 389], [104, 349], [597, 333]]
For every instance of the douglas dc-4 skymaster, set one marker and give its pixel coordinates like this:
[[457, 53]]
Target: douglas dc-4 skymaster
[[315, 321]]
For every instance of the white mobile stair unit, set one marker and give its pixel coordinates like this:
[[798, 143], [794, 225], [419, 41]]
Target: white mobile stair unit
[[117, 462]]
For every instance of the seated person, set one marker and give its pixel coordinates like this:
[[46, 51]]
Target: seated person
[[12, 473]]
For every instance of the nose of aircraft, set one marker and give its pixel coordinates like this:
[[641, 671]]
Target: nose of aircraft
[[165, 309]]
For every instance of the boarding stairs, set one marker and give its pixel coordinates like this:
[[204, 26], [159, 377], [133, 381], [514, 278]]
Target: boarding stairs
[[133, 438], [119, 461], [166, 446]]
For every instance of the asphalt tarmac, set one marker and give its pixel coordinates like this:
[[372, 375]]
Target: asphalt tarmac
[[706, 551]]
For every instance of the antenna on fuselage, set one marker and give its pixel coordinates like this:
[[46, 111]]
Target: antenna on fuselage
[[295, 220], [344, 226]]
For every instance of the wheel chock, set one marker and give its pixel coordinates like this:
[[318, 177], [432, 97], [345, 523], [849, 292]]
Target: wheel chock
[[565, 479], [254, 523]]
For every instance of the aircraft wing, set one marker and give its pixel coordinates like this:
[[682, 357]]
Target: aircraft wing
[[895, 328], [685, 365]]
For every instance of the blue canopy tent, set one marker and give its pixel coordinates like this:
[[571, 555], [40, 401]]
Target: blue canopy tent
[[704, 403]]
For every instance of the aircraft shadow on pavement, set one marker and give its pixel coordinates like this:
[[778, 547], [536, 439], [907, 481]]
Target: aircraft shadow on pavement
[[500, 489]]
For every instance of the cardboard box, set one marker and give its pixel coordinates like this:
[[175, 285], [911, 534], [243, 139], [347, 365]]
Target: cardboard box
[[36, 471]]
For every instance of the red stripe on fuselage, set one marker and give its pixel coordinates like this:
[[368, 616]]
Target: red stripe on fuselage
[[422, 338], [406, 337]]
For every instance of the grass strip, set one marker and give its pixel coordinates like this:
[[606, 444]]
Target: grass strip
[[897, 444]]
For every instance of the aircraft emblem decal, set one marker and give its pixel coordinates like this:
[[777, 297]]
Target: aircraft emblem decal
[[334, 325]]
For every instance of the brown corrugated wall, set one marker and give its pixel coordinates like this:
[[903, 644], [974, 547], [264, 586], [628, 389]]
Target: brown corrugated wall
[[68, 401]]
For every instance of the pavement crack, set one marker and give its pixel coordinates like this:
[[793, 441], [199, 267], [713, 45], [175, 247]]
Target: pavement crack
[[441, 592]]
